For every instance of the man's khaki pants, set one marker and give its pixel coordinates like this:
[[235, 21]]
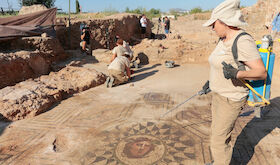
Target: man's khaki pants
[[88, 46], [224, 115], [118, 76]]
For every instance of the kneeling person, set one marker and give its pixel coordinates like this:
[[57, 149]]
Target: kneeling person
[[117, 70]]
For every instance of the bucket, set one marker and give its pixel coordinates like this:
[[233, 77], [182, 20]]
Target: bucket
[[169, 64]]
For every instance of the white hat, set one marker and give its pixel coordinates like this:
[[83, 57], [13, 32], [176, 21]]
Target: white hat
[[229, 13]]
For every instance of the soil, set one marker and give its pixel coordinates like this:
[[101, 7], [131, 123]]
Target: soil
[[86, 125], [28, 57]]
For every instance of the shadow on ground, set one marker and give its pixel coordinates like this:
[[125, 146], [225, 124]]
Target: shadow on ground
[[4, 123], [143, 76], [75, 59], [144, 59], [255, 131], [148, 68]]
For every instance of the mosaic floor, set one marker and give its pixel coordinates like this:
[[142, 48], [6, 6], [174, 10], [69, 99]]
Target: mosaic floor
[[89, 129]]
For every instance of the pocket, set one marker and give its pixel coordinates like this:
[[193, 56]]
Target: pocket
[[237, 105]]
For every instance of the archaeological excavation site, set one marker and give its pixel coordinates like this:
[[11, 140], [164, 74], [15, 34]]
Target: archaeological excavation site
[[61, 103]]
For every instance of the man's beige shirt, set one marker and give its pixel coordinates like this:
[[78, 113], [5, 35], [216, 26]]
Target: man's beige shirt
[[119, 50], [119, 64], [247, 51]]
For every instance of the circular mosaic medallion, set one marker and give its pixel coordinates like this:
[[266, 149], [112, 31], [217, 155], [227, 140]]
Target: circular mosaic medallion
[[140, 149]]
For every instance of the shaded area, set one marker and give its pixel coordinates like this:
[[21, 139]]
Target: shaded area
[[160, 36], [76, 59], [255, 131], [4, 123], [147, 68], [143, 76]]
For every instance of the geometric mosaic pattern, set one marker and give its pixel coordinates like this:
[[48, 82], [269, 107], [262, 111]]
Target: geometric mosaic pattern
[[148, 143]]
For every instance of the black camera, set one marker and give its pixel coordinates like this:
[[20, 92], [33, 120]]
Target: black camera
[[86, 28]]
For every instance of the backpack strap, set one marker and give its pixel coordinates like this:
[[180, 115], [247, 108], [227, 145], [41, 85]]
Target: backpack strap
[[240, 65]]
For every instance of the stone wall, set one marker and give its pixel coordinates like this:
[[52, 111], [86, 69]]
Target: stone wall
[[104, 30], [28, 57]]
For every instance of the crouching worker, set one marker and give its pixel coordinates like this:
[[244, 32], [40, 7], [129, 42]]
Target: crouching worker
[[119, 71], [119, 50]]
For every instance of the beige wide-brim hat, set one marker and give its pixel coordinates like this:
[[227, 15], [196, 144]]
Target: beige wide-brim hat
[[229, 13]]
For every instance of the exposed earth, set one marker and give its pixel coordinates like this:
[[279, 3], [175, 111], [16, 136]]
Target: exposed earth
[[65, 115]]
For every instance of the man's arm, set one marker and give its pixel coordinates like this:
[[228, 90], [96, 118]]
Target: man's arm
[[145, 22], [113, 57], [257, 71], [83, 34], [127, 71]]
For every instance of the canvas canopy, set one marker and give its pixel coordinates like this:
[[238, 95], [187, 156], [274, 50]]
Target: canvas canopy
[[28, 24]]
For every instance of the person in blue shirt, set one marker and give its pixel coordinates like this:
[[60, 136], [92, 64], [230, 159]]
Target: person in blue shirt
[[275, 26]]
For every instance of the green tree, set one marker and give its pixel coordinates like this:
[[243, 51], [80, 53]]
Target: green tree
[[154, 11], [47, 3], [77, 7], [196, 10], [127, 10], [149, 13]]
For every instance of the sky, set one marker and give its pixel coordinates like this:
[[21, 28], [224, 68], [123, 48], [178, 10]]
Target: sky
[[120, 5]]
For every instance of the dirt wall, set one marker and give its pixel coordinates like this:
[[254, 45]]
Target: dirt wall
[[33, 97], [104, 31], [28, 57], [263, 12]]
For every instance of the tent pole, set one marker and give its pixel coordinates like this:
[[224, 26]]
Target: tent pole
[[69, 12]]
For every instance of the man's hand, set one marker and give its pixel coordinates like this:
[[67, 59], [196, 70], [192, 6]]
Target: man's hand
[[205, 89], [229, 71]]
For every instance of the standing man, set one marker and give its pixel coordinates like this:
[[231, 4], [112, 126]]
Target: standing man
[[166, 25], [143, 23], [275, 26], [159, 25], [85, 39]]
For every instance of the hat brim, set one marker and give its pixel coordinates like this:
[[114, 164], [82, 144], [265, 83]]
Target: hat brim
[[209, 22]]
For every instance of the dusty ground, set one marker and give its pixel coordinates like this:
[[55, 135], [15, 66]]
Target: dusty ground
[[122, 125]]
